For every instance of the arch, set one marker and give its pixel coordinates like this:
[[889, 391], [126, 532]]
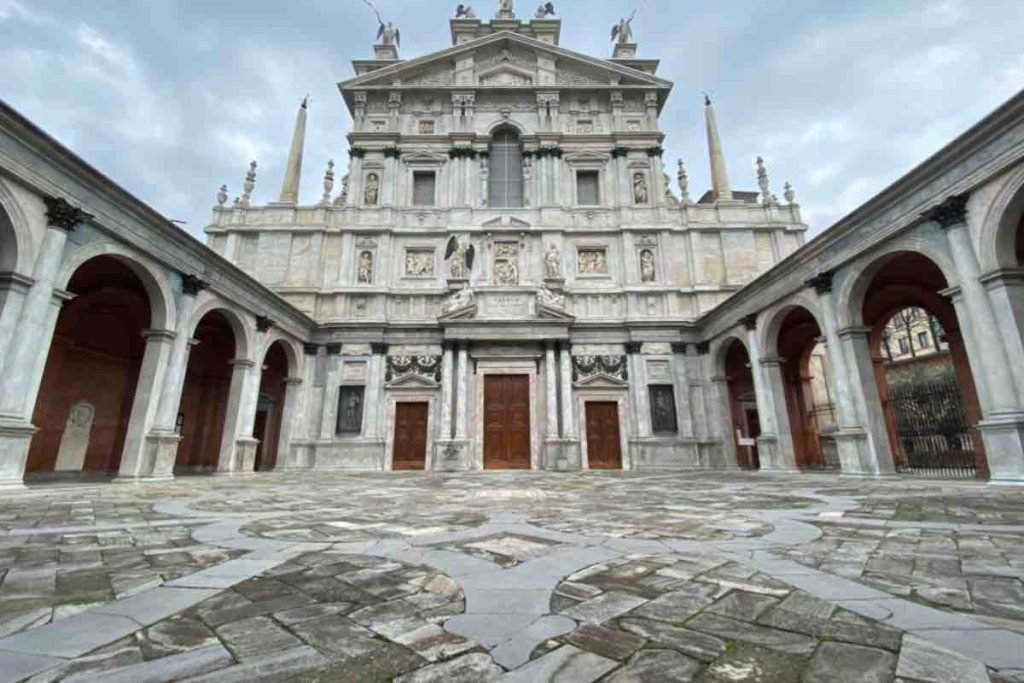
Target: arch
[[744, 421], [519, 128], [84, 407], [208, 378], [292, 350], [721, 348], [505, 185], [15, 237], [1003, 225], [270, 404], [161, 298], [860, 274], [208, 302], [776, 315], [931, 421]]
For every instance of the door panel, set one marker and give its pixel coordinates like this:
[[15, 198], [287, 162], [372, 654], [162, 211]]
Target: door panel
[[410, 436], [604, 449], [507, 422]]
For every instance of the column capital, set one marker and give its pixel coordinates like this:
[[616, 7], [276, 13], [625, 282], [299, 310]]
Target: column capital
[[703, 348], [821, 283], [191, 285], [679, 347], [62, 296], [264, 323], [310, 349], [749, 322], [293, 381], [995, 278], [15, 282], [633, 347], [378, 348], [951, 212], [244, 363], [854, 331], [333, 349], [61, 214], [770, 361]]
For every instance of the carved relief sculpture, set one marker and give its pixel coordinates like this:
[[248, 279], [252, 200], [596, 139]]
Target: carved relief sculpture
[[459, 255], [428, 367], [553, 263], [584, 367], [646, 266], [365, 275], [419, 262], [639, 188], [372, 192], [549, 299], [592, 262], [463, 298], [506, 263]]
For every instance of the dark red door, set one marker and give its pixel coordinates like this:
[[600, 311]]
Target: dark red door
[[507, 422], [604, 450], [410, 436]]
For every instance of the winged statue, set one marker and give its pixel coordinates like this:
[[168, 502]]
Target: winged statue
[[459, 254], [464, 12], [388, 34], [545, 9], [623, 30]]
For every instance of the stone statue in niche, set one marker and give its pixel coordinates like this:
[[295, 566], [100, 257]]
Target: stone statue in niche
[[639, 188], [592, 262], [553, 262], [74, 442], [459, 254], [365, 276], [646, 266], [372, 192]]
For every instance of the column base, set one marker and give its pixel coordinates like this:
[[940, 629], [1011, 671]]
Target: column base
[[856, 457], [161, 453], [451, 455], [1004, 448], [15, 438], [562, 455], [769, 456], [243, 457]]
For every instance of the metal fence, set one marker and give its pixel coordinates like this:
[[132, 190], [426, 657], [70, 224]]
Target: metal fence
[[932, 429]]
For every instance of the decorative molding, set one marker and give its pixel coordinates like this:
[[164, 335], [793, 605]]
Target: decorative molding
[[952, 211], [263, 323], [61, 214], [392, 153], [356, 152], [655, 151], [703, 348], [749, 321], [619, 151], [427, 367], [192, 285], [822, 282], [584, 367], [462, 153]]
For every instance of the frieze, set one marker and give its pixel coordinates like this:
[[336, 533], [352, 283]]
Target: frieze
[[584, 367], [427, 367]]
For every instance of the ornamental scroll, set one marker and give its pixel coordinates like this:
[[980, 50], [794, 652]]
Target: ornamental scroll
[[427, 367], [584, 367]]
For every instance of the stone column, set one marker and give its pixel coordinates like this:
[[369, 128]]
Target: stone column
[[304, 429], [684, 410], [1006, 292], [1002, 426], [856, 454], [551, 390], [856, 350], [768, 442], [447, 386], [462, 393], [638, 387], [13, 290], [332, 388], [720, 423], [232, 458], [148, 391], [292, 399], [568, 409], [375, 392], [775, 395], [30, 341]]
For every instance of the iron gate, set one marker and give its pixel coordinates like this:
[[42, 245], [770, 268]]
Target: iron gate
[[932, 429]]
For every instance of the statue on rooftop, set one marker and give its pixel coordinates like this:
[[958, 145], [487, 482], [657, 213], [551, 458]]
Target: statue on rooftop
[[464, 12], [545, 9], [623, 31], [388, 34]]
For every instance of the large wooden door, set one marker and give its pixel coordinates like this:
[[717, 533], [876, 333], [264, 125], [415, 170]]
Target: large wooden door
[[604, 449], [507, 422], [410, 436]]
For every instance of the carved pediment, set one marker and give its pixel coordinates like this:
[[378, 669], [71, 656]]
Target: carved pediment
[[443, 75], [505, 75], [577, 75], [411, 382], [424, 158], [584, 157]]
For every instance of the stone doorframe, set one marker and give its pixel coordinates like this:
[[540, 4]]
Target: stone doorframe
[[410, 390], [519, 364], [604, 393]]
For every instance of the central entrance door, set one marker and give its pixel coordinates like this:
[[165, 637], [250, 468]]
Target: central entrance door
[[410, 436], [507, 422], [604, 450]]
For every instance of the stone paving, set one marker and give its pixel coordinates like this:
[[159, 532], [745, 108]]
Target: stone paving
[[626, 576]]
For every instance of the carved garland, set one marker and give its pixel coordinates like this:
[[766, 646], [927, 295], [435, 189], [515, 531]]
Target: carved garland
[[584, 367], [428, 367]]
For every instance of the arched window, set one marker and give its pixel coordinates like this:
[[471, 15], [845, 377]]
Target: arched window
[[505, 183]]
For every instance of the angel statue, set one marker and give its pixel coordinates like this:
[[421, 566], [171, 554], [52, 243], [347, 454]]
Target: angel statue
[[388, 34], [623, 31], [464, 12], [545, 9], [459, 255]]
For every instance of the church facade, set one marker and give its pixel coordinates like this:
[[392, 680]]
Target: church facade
[[504, 276]]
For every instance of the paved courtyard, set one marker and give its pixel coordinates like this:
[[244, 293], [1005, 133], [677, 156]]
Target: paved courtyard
[[515, 576]]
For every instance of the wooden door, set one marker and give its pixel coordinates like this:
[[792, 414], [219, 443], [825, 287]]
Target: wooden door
[[604, 449], [410, 436], [507, 422]]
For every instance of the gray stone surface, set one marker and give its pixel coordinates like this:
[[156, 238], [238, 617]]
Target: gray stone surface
[[567, 664], [654, 666], [921, 660], [845, 663]]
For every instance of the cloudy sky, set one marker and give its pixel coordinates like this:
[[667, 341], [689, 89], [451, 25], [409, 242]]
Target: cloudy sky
[[171, 98]]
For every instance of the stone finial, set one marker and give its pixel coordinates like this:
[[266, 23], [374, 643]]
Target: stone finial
[[328, 183], [248, 186], [222, 195], [788, 193], [684, 183], [762, 181]]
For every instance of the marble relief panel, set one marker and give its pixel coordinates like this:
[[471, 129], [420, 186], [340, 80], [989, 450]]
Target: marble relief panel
[[592, 261], [419, 262]]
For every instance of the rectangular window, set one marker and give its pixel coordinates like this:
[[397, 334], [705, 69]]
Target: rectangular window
[[663, 409], [922, 340], [350, 410], [904, 345], [587, 188], [423, 183]]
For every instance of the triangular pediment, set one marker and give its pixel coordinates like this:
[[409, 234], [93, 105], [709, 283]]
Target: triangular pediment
[[412, 381], [601, 381], [578, 157], [498, 57]]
